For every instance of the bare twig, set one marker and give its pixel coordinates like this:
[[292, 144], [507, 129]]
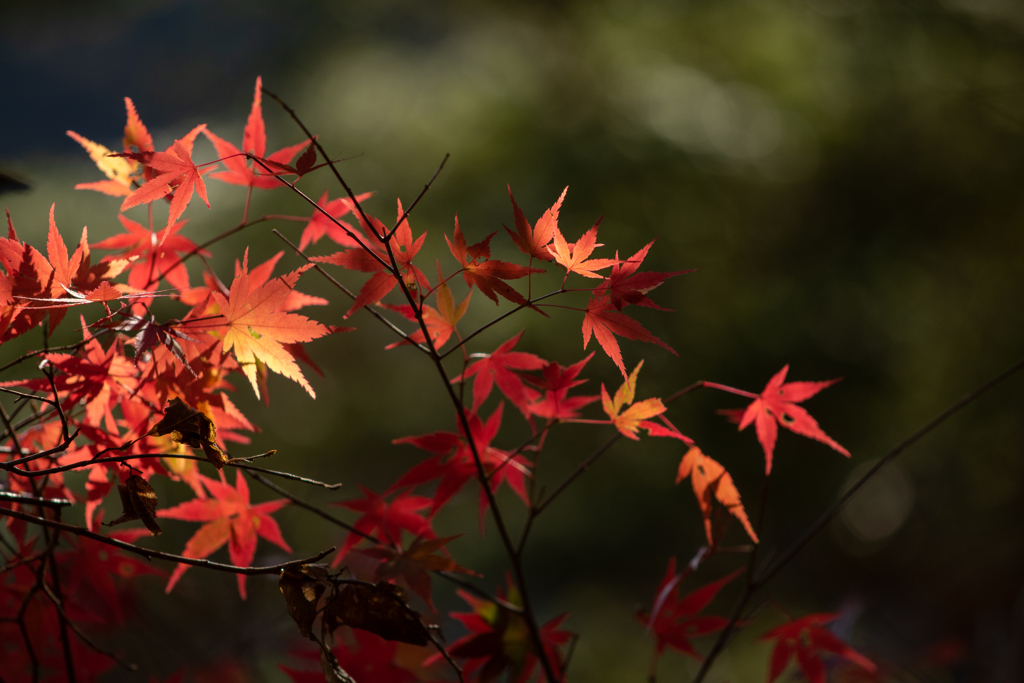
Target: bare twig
[[240, 463], [486, 326], [157, 554], [325, 155], [405, 214], [11, 497], [58, 603], [376, 314]]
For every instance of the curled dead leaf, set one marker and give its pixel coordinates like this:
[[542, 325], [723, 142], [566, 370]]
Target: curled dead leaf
[[138, 501], [378, 608], [302, 587], [192, 427]]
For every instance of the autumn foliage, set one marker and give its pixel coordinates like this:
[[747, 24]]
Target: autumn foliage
[[96, 412]]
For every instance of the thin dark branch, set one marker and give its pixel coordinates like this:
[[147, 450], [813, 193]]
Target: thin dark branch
[[11, 497], [316, 266], [899, 448], [580, 469], [495, 321], [78, 632], [528, 615], [405, 214], [241, 463], [447, 657], [325, 155], [57, 597], [32, 354], [325, 212], [592, 458], [157, 554], [306, 506]]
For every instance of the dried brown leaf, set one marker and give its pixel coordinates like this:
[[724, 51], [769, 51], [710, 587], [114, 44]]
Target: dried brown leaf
[[191, 427], [302, 593], [138, 501], [378, 608]]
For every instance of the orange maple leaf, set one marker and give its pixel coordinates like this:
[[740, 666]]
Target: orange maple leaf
[[135, 132], [575, 257], [441, 321], [254, 140], [533, 241], [636, 415], [602, 321], [120, 172], [258, 328], [487, 274], [712, 483], [175, 168]]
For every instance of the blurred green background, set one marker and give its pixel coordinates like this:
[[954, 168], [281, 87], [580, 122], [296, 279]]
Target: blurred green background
[[843, 174]]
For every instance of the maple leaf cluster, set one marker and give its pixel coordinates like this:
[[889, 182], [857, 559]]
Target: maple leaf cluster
[[119, 420]]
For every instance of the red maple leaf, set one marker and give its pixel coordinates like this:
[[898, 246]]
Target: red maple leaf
[[603, 322], [229, 518], [257, 326], [96, 379], [177, 173], [27, 276], [499, 641], [486, 274], [777, 406], [91, 568], [503, 367], [533, 241], [371, 257], [156, 253], [675, 620], [711, 485], [575, 256], [626, 286], [807, 639], [319, 225], [30, 279], [556, 381], [240, 171], [260, 275], [453, 462], [385, 518]]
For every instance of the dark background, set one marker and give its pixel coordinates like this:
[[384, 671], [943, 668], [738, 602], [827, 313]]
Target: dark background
[[844, 174]]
